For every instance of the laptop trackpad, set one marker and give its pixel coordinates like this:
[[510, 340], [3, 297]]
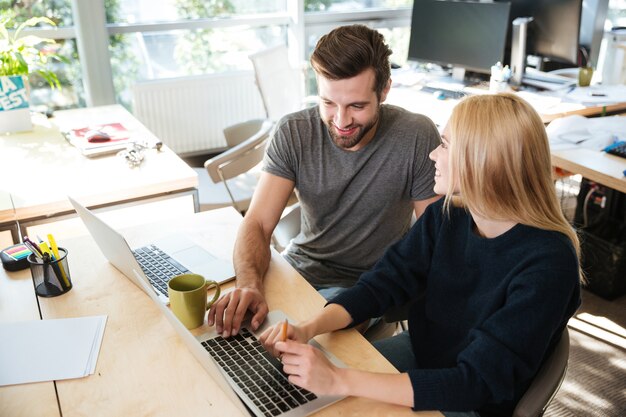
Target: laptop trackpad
[[201, 262], [192, 257]]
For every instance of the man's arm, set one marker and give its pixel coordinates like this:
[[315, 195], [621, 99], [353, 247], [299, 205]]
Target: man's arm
[[419, 206], [252, 256]]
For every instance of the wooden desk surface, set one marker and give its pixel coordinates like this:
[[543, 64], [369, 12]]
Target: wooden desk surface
[[598, 166], [144, 368], [549, 108], [18, 303], [44, 168]]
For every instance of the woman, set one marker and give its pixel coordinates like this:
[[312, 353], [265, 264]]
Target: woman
[[491, 270]]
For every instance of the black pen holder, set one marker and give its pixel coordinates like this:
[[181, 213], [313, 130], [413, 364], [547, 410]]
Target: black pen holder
[[50, 277]]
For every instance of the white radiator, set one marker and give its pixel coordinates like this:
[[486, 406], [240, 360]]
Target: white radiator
[[189, 113]]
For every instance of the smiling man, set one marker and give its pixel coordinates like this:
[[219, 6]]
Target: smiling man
[[360, 169]]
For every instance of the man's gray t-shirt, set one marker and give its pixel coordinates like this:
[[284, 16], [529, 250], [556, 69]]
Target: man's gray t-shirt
[[354, 203]]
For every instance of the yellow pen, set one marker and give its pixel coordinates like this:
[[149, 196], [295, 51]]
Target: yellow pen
[[55, 251], [44, 248], [53, 245]]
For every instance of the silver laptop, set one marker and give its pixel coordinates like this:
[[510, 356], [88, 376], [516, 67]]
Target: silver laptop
[[158, 261], [260, 386]]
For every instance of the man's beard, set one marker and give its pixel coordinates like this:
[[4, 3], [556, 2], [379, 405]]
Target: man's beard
[[348, 142]]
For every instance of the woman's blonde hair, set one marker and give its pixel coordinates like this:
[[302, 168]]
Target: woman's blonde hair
[[500, 163]]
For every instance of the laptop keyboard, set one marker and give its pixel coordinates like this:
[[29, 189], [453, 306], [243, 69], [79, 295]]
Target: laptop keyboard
[[258, 374], [158, 266]]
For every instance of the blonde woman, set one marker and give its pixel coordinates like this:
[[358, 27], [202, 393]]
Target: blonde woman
[[492, 272]]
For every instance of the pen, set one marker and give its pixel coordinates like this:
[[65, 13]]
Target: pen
[[55, 252], [32, 250], [283, 331], [53, 246], [33, 247], [56, 267]]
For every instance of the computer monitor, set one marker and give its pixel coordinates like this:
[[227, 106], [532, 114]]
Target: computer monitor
[[554, 32], [592, 28], [465, 34]]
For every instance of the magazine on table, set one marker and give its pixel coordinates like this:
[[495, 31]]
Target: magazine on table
[[99, 139]]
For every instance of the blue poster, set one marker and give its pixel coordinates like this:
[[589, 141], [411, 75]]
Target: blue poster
[[13, 93]]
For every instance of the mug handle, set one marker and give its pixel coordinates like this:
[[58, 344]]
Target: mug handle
[[213, 284]]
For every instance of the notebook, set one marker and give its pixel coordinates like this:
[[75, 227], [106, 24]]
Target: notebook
[[239, 385], [174, 255]]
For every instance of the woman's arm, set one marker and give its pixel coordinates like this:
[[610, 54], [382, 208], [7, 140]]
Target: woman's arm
[[309, 368], [332, 317]]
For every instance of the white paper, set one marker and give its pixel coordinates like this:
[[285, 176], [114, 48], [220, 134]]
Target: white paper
[[597, 95], [576, 131], [48, 350]]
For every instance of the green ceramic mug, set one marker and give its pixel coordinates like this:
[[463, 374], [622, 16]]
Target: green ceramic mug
[[188, 298], [584, 76]]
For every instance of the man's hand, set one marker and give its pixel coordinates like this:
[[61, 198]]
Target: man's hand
[[228, 312]]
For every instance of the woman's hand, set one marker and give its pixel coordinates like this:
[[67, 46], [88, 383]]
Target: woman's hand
[[274, 334], [308, 368]]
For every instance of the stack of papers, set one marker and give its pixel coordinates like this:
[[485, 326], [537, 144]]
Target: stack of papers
[[49, 350], [597, 95], [576, 131], [119, 139]]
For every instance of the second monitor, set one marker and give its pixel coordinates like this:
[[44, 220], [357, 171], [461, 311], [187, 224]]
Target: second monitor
[[470, 35]]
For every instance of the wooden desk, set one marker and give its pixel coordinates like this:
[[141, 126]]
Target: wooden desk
[[412, 99], [43, 168], [597, 166], [18, 303], [144, 368]]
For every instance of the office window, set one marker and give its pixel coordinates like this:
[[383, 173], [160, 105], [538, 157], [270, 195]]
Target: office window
[[175, 38], [617, 13], [71, 93], [177, 53], [392, 18], [152, 11], [352, 5]]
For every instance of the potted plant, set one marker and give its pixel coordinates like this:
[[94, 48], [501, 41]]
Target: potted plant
[[21, 56]]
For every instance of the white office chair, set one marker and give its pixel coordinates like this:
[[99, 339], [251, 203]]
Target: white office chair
[[280, 85], [287, 228], [226, 179], [546, 383]]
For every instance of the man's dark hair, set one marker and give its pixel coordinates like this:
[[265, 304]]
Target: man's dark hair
[[347, 51]]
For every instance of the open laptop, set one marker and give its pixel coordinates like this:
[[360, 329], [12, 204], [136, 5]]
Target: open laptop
[[160, 260], [256, 394]]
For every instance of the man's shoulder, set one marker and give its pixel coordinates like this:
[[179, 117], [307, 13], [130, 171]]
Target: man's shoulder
[[294, 126], [397, 114], [308, 115]]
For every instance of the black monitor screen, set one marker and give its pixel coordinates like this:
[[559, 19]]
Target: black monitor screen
[[555, 30], [471, 35]]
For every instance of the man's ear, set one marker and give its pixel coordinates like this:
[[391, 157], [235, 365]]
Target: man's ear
[[383, 94]]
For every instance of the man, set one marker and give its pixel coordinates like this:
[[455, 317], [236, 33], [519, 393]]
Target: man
[[359, 168]]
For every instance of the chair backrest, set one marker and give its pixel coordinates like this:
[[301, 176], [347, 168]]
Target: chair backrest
[[279, 84], [287, 228], [237, 133], [546, 383], [240, 158]]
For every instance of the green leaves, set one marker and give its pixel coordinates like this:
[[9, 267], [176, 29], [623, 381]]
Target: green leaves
[[26, 54]]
